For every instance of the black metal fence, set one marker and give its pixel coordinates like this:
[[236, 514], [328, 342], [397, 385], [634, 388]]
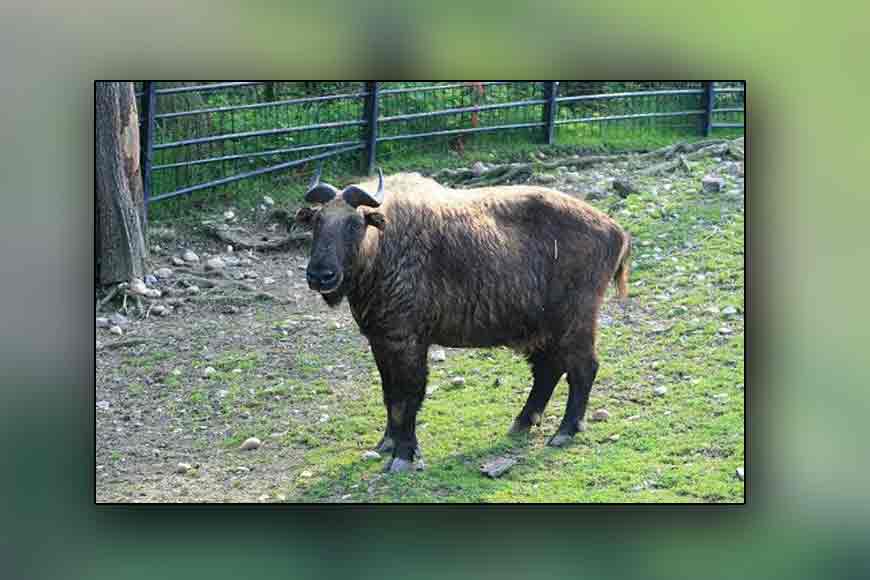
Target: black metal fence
[[197, 136]]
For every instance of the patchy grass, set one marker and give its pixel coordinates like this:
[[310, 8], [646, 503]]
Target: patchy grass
[[681, 447]]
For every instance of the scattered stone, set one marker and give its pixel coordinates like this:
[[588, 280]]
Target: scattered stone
[[712, 184], [545, 178], [250, 444], [103, 405], [230, 309], [430, 390], [102, 322], [729, 311], [208, 371], [156, 249], [116, 330], [231, 261], [438, 355], [150, 280], [497, 467], [268, 201], [720, 397], [371, 455], [624, 187], [660, 391], [633, 418], [725, 330], [346, 496], [457, 381], [183, 468], [268, 280], [176, 261], [215, 264], [190, 256], [334, 325], [614, 437], [229, 249], [250, 274], [572, 177], [163, 273], [229, 215], [712, 310], [137, 286], [324, 418], [740, 474], [192, 290], [176, 372], [306, 473], [478, 168], [160, 310], [600, 415]]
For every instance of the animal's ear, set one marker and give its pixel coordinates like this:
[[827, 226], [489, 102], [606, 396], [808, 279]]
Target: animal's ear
[[374, 218], [304, 216]]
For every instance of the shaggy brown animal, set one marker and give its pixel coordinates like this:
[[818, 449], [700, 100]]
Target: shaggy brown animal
[[521, 266]]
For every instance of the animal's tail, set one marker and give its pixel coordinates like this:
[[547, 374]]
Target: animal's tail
[[623, 268]]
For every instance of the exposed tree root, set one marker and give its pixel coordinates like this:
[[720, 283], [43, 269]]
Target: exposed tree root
[[112, 293], [124, 343], [240, 240], [503, 173]]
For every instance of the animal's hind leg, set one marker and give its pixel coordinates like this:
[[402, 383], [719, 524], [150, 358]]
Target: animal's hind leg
[[387, 442], [581, 374], [546, 371]]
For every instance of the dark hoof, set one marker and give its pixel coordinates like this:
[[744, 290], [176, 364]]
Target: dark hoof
[[560, 440], [398, 465], [519, 428], [386, 445]]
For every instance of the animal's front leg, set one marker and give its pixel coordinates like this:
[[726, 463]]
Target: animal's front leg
[[402, 364]]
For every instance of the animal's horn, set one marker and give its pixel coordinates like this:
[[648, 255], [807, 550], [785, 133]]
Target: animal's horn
[[320, 192], [356, 196]]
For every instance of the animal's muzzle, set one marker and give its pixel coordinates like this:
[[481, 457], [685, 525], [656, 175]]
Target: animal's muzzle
[[323, 281]]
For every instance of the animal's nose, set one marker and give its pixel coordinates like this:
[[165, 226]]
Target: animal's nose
[[322, 276]]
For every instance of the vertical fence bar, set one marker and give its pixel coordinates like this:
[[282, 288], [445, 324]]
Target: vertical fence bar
[[149, 106], [709, 102], [370, 115], [551, 90]]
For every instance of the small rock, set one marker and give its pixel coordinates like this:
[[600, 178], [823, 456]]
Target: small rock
[[137, 286], [183, 468], [163, 273], [208, 371], [624, 187], [176, 372], [600, 415], [712, 184], [498, 467], [250, 444], [324, 418], [116, 330], [725, 330], [712, 310], [371, 455], [267, 281], [215, 264], [176, 261], [572, 177], [156, 249], [231, 261], [431, 389], [150, 280], [633, 418], [438, 355], [614, 437], [457, 381], [229, 249], [346, 496], [545, 178], [190, 256], [103, 405], [160, 310], [660, 391], [222, 393], [306, 473], [102, 322], [229, 215], [729, 311], [268, 201], [740, 473], [230, 309], [334, 325], [250, 274], [192, 290], [478, 168], [118, 319]]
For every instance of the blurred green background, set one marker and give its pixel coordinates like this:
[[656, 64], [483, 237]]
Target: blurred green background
[[807, 462]]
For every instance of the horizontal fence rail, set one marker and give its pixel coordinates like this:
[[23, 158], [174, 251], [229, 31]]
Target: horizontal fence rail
[[198, 136]]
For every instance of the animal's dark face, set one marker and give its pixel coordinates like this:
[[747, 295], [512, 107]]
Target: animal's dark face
[[338, 232], [339, 227]]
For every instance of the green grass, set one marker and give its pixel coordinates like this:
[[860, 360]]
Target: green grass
[[682, 447]]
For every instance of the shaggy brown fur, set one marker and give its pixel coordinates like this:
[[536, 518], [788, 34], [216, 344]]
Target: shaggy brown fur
[[521, 266]]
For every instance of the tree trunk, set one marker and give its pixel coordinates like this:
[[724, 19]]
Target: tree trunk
[[118, 182]]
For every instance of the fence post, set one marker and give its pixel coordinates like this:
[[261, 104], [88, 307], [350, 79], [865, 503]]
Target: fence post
[[709, 102], [370, 116], [149, 105], [551, 89]]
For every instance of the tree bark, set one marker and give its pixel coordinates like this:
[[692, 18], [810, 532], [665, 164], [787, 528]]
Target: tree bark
[[118, 182]]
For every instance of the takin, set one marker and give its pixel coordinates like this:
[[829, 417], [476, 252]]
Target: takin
[[521, 266]]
